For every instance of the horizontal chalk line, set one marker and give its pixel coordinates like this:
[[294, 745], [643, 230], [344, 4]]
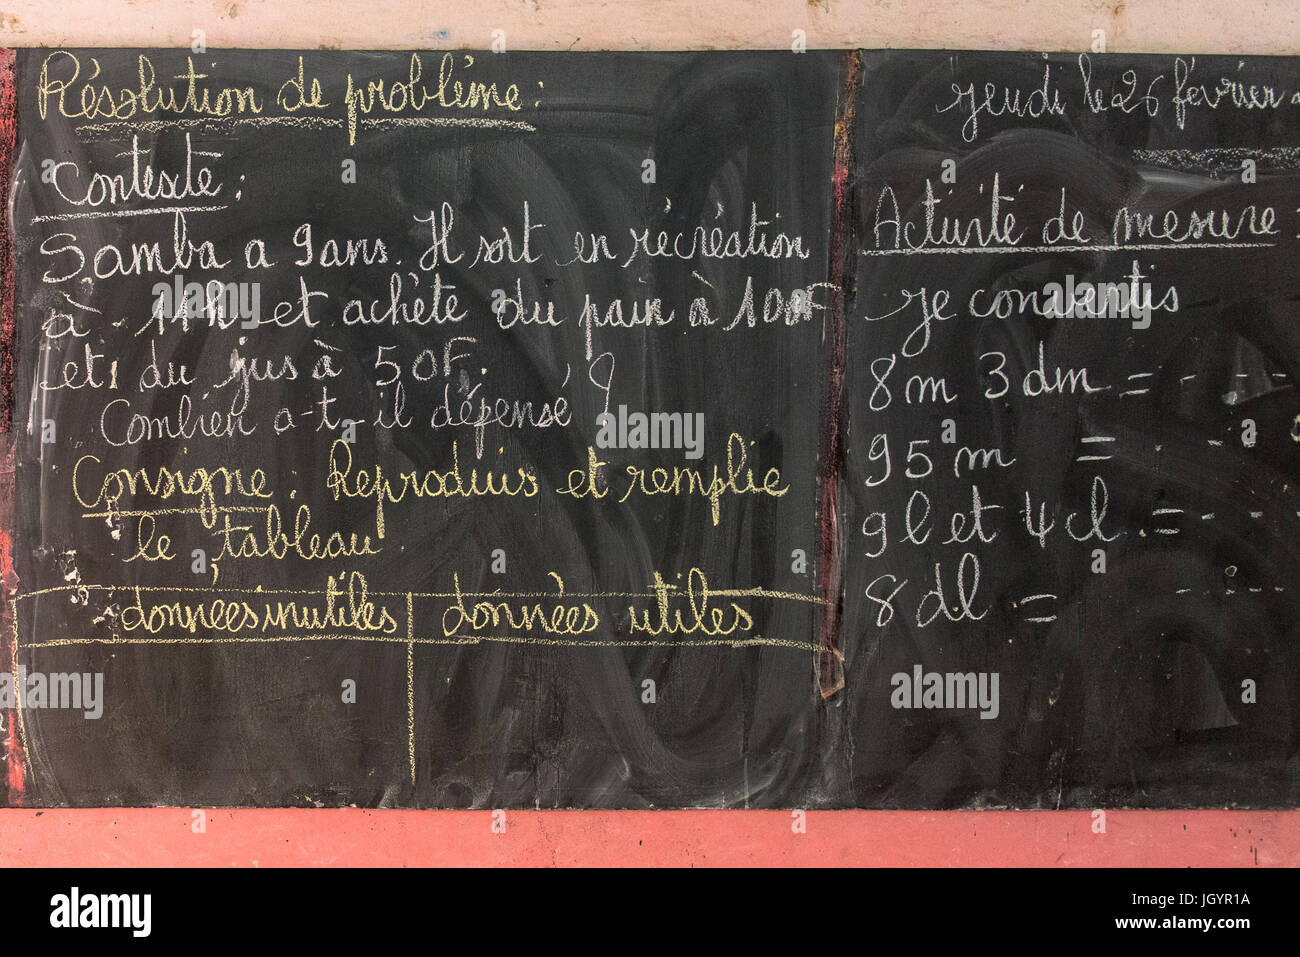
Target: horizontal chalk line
[[251, 592], [972, 250], [123, 213], [402, 639]]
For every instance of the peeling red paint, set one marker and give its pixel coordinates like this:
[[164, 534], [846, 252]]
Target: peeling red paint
[[8, 137], [15, 758], [831, 554]]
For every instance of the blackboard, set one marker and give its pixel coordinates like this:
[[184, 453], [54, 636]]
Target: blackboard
[[651, 430]]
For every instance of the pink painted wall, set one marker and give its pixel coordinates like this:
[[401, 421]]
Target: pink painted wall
[[1243, 26], [160, 837], [164, 836]]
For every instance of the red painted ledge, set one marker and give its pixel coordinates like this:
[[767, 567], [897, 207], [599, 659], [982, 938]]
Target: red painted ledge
[[155, 837]]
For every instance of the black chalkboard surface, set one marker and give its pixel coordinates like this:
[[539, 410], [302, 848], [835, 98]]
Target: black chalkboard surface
[[835, 429]]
